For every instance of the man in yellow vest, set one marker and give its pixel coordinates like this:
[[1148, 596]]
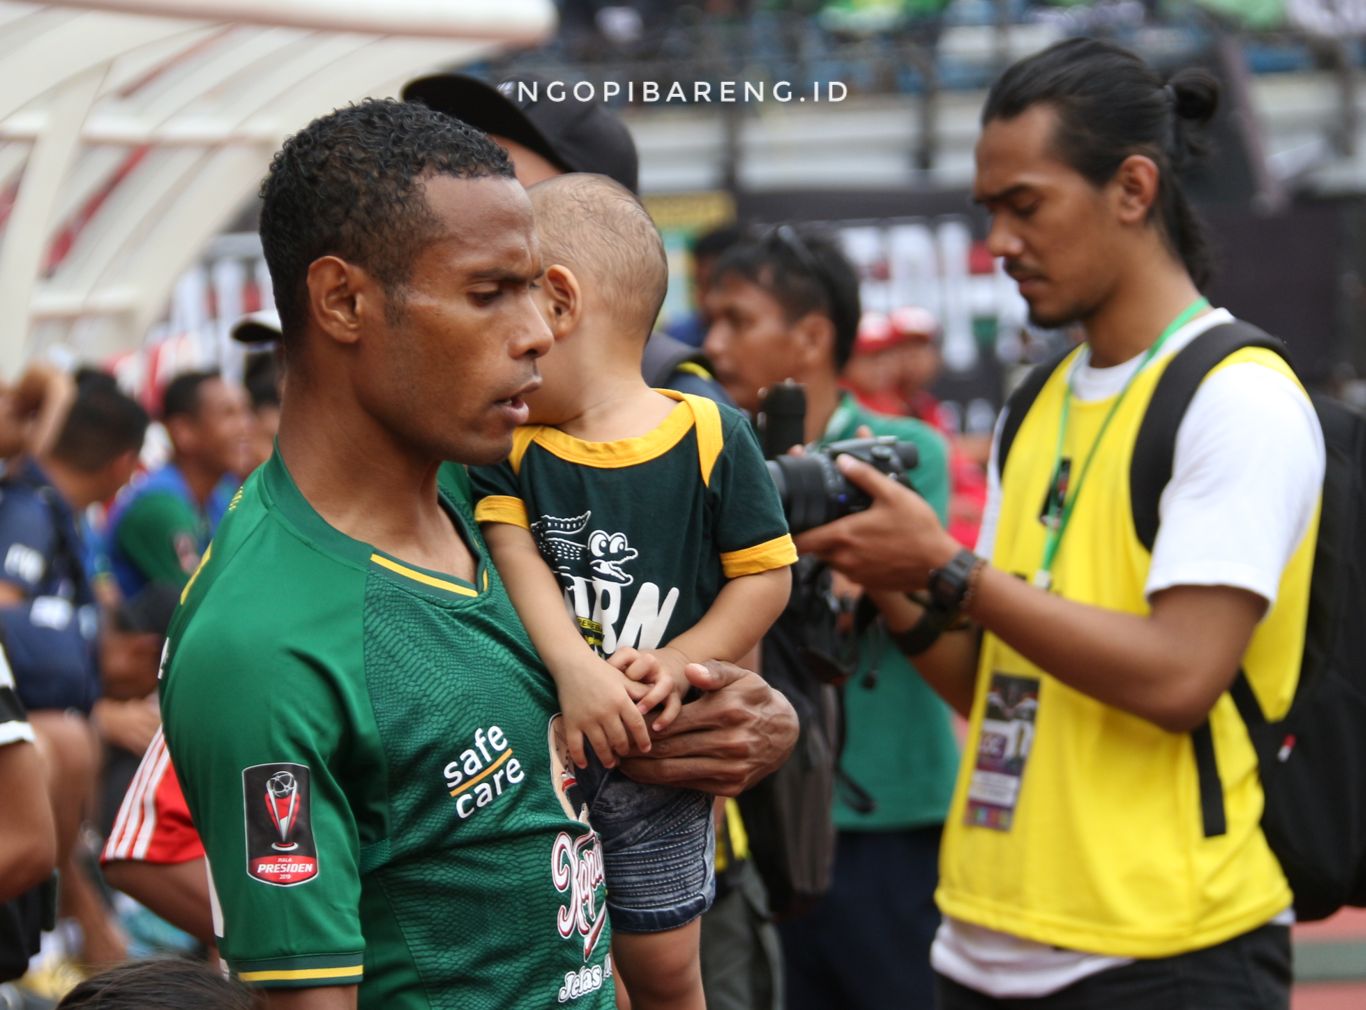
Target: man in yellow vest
[[1103, 847]]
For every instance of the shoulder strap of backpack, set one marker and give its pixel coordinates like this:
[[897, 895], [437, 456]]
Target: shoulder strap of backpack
[[1021, 399], [665, 354], [1151, 466], [1149, 472]]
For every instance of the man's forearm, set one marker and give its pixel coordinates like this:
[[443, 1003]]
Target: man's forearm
[[1169, 666], [949, 666]]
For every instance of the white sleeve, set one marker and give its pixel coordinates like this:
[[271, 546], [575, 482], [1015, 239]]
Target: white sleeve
[[991, 511], [14, 727], [1246, 475]]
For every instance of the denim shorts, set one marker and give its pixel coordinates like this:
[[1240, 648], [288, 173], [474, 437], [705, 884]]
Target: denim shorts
[[659, 849]]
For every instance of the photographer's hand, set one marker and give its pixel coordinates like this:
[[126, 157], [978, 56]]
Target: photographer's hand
[[740, 731], [892, 544]]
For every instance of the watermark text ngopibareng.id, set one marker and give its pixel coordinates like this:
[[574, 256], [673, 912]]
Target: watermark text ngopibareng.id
[[656, 92]]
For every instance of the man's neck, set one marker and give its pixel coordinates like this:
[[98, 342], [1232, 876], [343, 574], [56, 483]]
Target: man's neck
[[68, 483], [363, 482], [200, 479], [1136, 313], [822, 397]]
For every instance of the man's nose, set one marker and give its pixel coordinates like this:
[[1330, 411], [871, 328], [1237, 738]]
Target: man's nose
[[534, 338], [1001, 240]]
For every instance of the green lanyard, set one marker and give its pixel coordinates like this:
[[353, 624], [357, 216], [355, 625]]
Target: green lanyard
[[1058, 522]]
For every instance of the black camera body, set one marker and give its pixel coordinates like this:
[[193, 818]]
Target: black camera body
[[814, 492]]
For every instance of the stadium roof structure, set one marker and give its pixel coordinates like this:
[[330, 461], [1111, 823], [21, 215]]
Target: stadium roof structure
[[132, 131]]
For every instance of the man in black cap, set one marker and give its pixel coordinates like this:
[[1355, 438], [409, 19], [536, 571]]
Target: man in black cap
[[549, 132]]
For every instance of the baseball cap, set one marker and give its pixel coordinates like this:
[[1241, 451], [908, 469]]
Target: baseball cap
[[875, 333], [258, 328], [911, 322], [574, 135]]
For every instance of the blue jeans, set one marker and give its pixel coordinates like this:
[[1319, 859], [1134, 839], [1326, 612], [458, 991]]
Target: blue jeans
[[658, 848]]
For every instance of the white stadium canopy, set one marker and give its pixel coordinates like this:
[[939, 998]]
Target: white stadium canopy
[[132, 131]]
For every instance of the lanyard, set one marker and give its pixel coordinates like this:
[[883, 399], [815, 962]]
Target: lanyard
[[1058, 517]]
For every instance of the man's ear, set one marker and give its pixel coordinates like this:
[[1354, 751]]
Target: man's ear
[[1136, 182], [563, 300], [815, 341], [341, 296]]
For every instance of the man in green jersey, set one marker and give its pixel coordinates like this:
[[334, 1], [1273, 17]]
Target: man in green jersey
[[158, 532], [358, 719]]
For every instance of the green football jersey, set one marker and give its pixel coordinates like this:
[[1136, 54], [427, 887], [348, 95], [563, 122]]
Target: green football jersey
[[371, 754], [643, 532]]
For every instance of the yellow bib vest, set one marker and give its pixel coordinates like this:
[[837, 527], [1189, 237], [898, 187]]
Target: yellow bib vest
[[1104, 848]]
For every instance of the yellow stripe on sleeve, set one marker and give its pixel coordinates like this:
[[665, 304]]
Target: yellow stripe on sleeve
[[776, 553], [502, 508], [351, 973]]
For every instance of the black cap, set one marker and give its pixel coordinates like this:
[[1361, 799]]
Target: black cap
[[258, 328], [573, 135]]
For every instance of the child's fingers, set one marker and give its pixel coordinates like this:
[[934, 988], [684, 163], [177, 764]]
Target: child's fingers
[[623, 657], [602, 745], [634, 724], [672, 707], [660, 692], [635, 690], [574, 740], [643, 667]]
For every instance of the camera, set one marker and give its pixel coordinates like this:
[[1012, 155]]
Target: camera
[[814, 492]]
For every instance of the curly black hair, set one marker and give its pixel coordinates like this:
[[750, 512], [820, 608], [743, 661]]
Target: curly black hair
[[350, 184]]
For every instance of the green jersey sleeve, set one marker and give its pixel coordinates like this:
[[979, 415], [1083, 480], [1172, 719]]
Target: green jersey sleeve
[[498, 495], [262, 738], [751, 531], [162, 537]]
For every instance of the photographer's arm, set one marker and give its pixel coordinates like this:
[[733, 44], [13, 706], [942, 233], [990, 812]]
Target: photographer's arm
[[949, 666], [1168, 667]]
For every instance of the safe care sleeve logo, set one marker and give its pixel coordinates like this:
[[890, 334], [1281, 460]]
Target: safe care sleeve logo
[[277, 805]]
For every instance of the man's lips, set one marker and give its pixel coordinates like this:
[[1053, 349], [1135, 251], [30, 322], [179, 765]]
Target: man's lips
[[518, 397]]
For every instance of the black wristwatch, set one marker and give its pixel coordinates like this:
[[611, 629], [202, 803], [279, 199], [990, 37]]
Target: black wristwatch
[[921, 635], [951, 585]]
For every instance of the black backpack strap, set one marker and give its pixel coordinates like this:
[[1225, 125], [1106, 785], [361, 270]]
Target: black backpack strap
[[1149, 472], [1021, 399], [1151, 466]]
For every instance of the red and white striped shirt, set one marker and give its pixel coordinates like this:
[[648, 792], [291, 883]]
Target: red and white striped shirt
[[153, 824]]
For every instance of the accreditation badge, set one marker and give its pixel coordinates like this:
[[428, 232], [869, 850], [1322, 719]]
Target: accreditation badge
[[1002, 751]]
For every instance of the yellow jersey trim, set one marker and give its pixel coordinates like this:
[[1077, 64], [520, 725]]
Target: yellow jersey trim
[[302, 974], [184, 593], [776, 553], [521, 442], [622, 452], [422, 577], [502, 508]]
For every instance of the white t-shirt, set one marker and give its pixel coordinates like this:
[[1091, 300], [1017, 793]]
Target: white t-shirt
[[14, 728], [1246, 473]]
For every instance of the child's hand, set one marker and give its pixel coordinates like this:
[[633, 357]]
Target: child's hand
[[597, 707], [662, 671]]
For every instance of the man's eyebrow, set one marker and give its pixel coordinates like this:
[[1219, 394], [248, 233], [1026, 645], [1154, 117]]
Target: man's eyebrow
[[984, 199], [505, 275]]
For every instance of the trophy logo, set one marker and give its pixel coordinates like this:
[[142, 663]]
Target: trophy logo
[[280, 846], [282, 801]]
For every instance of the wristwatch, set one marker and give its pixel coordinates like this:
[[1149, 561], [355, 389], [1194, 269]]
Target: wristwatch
[[951, 586]]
